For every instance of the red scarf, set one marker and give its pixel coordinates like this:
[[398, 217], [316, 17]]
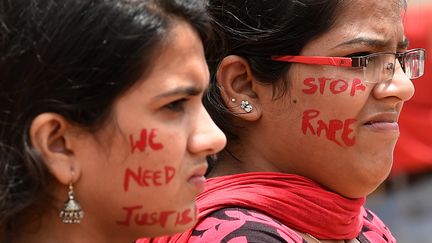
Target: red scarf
[[295, 201]]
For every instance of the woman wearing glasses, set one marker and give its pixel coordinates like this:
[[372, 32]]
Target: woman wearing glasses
[[309, 94]]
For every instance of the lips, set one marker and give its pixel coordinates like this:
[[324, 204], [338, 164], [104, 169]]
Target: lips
[[383, 122], [198, 179]]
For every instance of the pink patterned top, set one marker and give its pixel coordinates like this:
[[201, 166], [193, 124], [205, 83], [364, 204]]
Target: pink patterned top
[[240, 225]]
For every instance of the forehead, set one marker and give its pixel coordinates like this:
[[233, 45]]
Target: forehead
[[181, 59], [356, 10], [365, 19]]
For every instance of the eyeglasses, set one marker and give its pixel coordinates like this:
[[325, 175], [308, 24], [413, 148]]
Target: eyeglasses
[[377, 67]]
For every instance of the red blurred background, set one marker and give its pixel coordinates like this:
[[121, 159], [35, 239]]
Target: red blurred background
[[413, 153]]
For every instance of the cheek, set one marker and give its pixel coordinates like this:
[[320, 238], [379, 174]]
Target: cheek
[[151, 179], [155, 158], [332, 87], [157, 147], [337, 130], [137, 215], [330, 107], [145, 140]]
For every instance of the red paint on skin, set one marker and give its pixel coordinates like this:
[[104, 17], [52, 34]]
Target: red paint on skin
[[164, 217], [357, 85], [335, 86], [145, 178], [141, 144], [338, 86], [331, 128], [349, 141], [147, 218], [312, 87], [135, 217], [184, 218], [128, 215], [322, 82]]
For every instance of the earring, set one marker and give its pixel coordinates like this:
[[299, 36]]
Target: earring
[[71, 212], [233, 100], [246, 106]]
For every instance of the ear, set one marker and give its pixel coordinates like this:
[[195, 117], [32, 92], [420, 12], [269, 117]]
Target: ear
[[237, 83], [53, 137]]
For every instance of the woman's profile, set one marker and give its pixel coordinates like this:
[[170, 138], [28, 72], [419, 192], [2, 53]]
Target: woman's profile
[[103, 134], [309, 94]]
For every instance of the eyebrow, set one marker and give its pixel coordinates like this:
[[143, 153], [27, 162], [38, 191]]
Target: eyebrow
[[372, 42], [186, 90]]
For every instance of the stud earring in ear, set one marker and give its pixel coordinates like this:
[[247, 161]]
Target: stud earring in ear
[[246, 106], [233, 100], [71, 212]]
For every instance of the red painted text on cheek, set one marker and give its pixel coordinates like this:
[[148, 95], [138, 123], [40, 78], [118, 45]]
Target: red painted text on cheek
[[135, 216], [337, 131], [145, 139], [335, 86], [145, 178]]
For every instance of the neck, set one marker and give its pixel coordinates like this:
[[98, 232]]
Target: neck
[[234, 160], [311, 239]]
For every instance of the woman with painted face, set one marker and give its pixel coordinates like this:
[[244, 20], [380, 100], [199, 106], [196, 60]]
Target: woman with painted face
[[308, 94], [103, 134]]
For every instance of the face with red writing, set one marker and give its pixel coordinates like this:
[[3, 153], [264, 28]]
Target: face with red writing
[[333, 126], [140, 174]]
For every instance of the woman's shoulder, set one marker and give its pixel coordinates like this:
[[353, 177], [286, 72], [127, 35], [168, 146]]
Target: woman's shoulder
[[235, 224], [374, 230], [242, 225]]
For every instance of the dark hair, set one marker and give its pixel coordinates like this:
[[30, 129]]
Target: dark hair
[[73, 58], [256, 31]]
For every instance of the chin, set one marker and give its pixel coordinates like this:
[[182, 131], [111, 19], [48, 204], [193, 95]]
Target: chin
[[363, 184], [369, 183], [179, 228], [359, 191]]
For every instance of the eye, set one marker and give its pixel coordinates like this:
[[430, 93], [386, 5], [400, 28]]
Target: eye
[[389, 66], [401, 51], [358, 54], [177, 105]]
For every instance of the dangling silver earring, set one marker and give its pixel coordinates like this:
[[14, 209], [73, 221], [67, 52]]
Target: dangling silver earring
[[246, 106], [71, 212]]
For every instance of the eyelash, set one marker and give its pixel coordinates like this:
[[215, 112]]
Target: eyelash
[[357, 54], [177, 105]]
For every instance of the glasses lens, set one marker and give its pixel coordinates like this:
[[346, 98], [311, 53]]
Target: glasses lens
[[414, 63], [380, 68]]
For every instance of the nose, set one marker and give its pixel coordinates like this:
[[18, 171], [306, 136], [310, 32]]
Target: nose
[[400, 86], [207, 138]]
